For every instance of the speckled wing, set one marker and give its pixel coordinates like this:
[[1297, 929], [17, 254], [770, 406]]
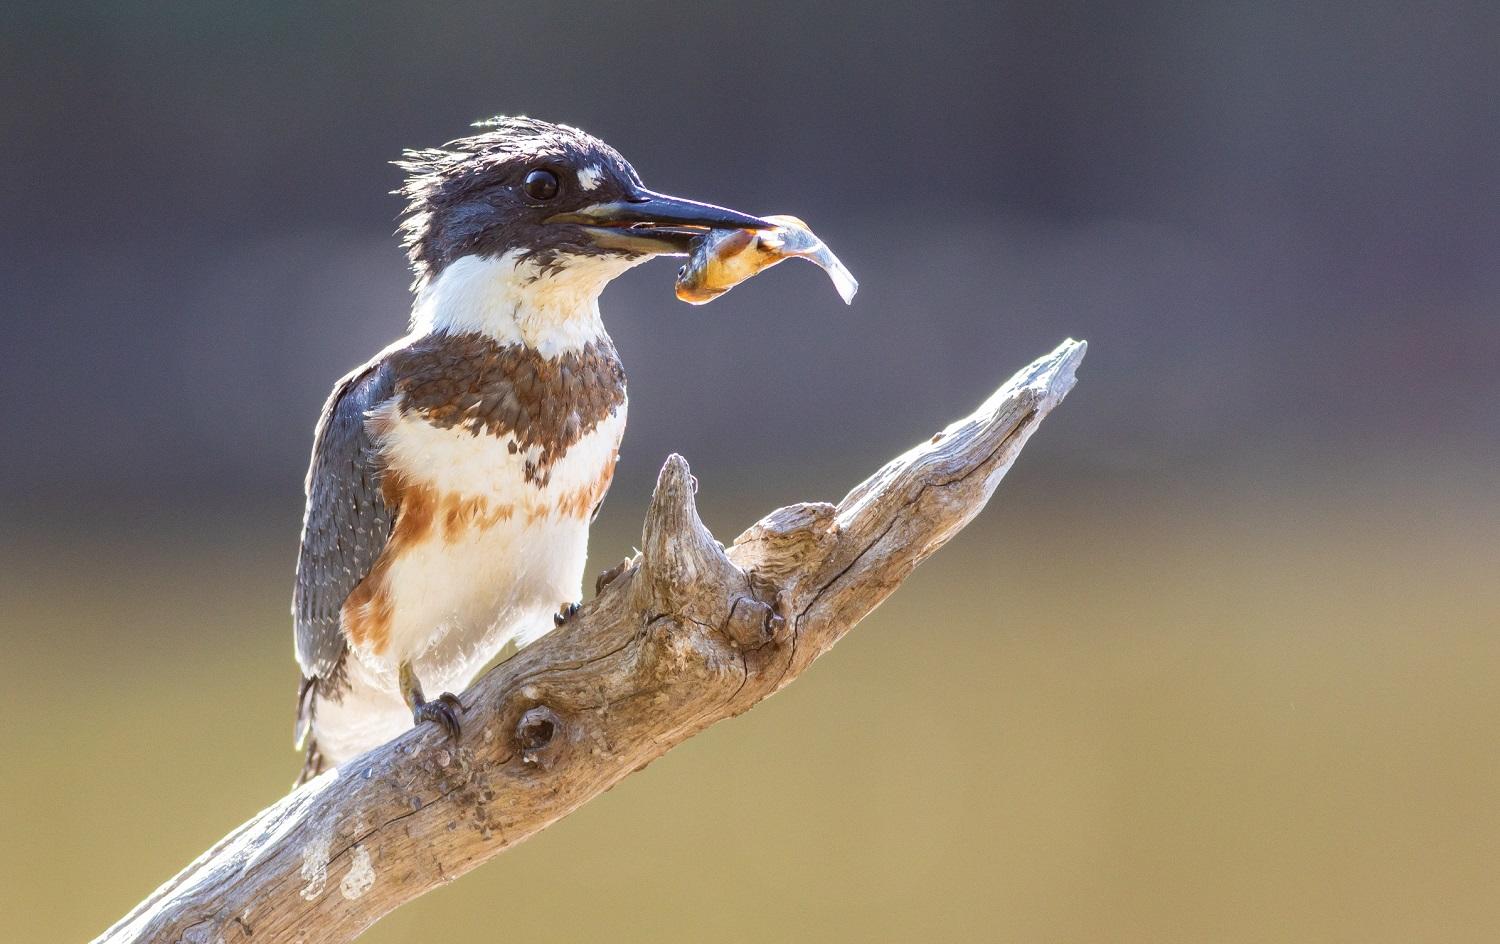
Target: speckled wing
[[346, 525]]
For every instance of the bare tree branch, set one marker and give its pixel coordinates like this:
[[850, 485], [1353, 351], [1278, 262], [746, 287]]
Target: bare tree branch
[[687, 634]]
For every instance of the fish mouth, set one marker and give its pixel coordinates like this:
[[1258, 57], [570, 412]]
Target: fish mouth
[[655, 224]]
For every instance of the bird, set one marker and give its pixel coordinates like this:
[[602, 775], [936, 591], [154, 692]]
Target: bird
[[454, 476]]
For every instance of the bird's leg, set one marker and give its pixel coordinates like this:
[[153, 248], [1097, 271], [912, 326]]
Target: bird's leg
[[443, 709], [565, 613]]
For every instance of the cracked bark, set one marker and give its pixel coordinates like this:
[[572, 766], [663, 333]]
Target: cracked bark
[[687, 633]]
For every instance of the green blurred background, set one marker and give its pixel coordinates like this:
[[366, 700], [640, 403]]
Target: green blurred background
[[1220, 662]]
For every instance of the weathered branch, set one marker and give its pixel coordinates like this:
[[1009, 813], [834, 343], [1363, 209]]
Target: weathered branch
[[687, 634]]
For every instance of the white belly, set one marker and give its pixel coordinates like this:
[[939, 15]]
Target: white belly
[[458, 602]]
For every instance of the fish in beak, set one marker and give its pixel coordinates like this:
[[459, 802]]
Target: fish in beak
[[723, 259]]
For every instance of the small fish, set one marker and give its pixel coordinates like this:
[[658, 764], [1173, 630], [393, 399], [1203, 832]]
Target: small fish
[[723, 258]]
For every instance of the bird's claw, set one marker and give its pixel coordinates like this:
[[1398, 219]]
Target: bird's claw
[[607, 577], [565, 613], [443, 709]]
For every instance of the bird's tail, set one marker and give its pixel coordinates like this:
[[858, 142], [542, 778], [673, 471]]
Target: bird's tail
[[307, 704], [312, 763]]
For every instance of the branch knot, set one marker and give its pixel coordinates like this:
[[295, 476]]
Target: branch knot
[[539, 737]]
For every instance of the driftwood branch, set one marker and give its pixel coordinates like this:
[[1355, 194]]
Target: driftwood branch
[[688, 633]]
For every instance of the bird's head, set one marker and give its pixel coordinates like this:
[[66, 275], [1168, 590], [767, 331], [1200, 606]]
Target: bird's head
[[553, 200]]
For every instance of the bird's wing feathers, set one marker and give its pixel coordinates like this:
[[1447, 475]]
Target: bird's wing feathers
[[347, 522]]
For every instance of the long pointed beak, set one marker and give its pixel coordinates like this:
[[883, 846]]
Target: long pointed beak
[[655, 223]]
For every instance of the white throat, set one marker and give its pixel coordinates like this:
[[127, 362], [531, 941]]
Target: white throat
[[515, 302]]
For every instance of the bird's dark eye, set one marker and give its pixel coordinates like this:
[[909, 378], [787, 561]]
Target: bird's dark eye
[[541, 184]]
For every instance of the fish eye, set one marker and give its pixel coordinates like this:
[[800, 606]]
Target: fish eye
[[541, 184]]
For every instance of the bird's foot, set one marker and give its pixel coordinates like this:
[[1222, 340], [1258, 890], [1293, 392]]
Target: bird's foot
[[443, 709], [565, 613]]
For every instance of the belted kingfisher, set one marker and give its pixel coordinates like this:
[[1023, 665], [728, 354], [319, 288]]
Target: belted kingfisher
[[455, 475]]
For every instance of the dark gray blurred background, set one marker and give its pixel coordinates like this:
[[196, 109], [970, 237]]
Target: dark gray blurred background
[[1277, 224]]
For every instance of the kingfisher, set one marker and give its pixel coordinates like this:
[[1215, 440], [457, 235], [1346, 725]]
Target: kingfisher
[[454, 476]]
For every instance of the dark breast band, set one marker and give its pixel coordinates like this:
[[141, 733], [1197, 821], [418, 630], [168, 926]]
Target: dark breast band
[[475, 383]]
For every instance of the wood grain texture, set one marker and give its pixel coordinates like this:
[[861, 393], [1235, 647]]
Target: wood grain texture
[[687, 634]]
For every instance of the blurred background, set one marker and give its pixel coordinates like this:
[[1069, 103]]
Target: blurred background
[[1218, 664]]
